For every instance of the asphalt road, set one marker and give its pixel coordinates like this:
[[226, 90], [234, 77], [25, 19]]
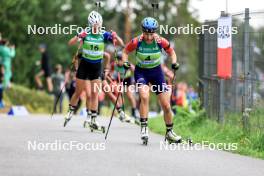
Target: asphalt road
[[122, 154]]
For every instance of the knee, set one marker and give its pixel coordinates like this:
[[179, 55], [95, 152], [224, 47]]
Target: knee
[[166, 108]]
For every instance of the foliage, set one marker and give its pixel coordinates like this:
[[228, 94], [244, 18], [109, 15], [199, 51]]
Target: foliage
[[16, 15]]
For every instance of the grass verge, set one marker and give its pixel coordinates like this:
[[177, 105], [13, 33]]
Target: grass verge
[[201, 128]]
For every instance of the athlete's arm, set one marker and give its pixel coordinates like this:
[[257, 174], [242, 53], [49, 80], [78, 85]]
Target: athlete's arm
[[113, 38], [73, 40], [120, 42], [107, 59], [173, 57], [131, 46], [169, 50], [167, 71]]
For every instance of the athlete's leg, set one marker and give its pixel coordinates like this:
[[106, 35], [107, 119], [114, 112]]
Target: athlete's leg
[[88, 94], [144, 101], [95, 85], [164, 99], [38, 79], [80, 84], [88, 100], [49, 83]]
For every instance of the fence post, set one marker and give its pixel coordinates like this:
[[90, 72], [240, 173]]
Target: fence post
[[246, 68], [221, 102]]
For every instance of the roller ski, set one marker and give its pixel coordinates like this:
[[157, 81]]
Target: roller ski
[[172, 138], [94, 126], [88, 119], [69, 115]]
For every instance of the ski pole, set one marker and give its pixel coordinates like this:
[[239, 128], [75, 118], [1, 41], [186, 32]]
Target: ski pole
[[155, 5], [119, 93], [122, 94], [72, 66], [173, 82], [98, 5]]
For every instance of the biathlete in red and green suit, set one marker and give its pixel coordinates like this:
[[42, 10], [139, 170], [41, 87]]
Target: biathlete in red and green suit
[[148, 71]]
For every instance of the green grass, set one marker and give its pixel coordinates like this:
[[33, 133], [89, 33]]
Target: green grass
[[35, 101], [201, 128]]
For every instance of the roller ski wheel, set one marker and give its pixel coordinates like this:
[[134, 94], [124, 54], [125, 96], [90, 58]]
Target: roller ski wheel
[[189, 141], [145, 140], [173, 142], [103, 129]]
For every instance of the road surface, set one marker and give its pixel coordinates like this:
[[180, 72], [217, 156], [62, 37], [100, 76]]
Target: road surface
[[25, 149]]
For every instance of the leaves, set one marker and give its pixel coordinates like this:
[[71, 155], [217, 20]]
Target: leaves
[[16, 15]]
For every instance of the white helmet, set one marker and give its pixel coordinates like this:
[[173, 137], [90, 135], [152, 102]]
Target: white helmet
[[95, 18]]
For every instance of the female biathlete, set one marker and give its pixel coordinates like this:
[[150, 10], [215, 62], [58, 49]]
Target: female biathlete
[[89, 70], [148, 70]]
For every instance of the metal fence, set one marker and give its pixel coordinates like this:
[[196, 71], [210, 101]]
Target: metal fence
[[245, 90]]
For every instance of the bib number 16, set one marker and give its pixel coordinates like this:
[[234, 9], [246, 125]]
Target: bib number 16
[[94, 47]]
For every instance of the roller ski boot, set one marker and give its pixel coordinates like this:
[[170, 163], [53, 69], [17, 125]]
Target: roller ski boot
[[171, 137], [94, 126], [69, 115], [88, 119], [144, 134], [123, 117]]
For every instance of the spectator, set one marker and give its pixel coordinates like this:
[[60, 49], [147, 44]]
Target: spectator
[[45, 69], [181, 98], [6, 54], [58, 81], [192, 95], [1, 86]]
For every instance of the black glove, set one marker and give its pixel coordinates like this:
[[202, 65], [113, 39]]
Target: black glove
[[175, 66], [126, 65]]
